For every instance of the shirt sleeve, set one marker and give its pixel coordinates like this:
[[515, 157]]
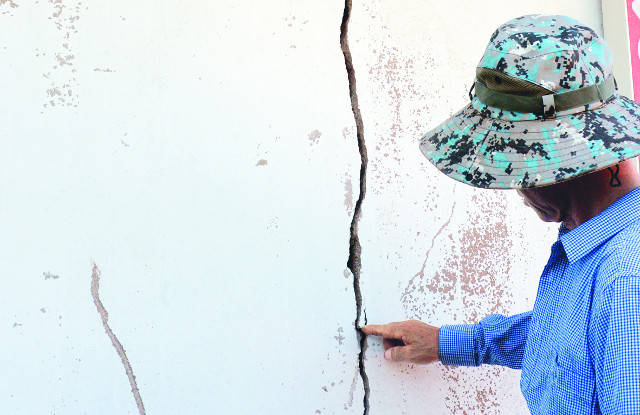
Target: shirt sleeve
[[616, 336], [497, 340]]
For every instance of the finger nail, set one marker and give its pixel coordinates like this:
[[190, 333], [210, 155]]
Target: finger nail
[[387, 354]]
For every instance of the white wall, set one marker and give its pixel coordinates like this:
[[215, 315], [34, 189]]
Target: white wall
[[203, 155]]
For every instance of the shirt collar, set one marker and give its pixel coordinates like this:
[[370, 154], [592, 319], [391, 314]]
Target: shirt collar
[[585, 238]]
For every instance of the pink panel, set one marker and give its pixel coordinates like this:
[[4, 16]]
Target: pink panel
[[633, 20]]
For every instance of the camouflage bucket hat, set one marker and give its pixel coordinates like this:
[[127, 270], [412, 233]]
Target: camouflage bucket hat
[[545, 110]]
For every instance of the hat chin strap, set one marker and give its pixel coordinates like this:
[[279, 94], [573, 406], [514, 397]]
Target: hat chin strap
[[550, 104]]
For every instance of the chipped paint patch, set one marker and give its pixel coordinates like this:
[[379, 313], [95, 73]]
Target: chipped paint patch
[[262, 162]]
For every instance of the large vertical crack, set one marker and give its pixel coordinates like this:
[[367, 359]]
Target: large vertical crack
[[354, 261], [104, 315]]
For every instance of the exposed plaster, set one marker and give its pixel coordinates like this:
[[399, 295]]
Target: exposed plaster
[[353, 263], [104, 315]]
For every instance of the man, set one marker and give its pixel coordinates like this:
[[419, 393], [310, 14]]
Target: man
[[546, 120]]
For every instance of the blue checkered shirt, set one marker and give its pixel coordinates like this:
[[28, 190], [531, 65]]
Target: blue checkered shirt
[[579, 348]]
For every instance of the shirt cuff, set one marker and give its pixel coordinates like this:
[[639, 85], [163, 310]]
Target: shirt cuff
[[457, 344]]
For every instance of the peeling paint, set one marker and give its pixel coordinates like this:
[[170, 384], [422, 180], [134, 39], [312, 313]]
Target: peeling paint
[[104, 315], [420, 274], [262, 162], [62, 74], [402, 108], [462, 275], [476, 272], [66, 59]]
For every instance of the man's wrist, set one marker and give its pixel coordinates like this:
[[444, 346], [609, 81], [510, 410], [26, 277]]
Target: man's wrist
[[456, 344]]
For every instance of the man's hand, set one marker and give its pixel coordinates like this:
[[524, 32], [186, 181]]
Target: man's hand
[[407, 341]]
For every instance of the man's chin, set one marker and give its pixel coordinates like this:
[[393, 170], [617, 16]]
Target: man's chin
[[549, 216]]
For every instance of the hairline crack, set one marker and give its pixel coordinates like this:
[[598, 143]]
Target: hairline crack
[[104, 316]]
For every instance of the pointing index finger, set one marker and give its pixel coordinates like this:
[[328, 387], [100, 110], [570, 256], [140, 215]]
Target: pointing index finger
[[387, 331]]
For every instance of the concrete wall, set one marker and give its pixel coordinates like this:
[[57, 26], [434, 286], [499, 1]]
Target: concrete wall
[[179, 180]]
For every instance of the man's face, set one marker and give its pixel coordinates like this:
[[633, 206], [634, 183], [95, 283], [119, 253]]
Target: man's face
[[549, 202]]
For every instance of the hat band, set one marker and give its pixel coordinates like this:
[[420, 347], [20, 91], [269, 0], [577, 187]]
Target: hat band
[[547, 105]]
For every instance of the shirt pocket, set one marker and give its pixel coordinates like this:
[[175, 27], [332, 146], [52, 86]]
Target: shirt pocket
[[574, 392]]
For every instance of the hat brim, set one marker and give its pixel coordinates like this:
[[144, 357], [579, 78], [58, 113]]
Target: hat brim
[[498, 154]]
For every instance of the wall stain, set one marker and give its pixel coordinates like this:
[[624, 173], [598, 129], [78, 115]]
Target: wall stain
[[475, 271], [104, 315]]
